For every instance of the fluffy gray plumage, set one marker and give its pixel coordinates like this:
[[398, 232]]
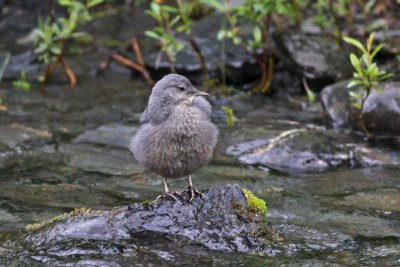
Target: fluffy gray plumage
[[176, 137]]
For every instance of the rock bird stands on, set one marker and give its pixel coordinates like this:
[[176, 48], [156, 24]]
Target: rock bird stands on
[[176, 137]]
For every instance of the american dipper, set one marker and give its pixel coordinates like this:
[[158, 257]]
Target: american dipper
[[176, 136]]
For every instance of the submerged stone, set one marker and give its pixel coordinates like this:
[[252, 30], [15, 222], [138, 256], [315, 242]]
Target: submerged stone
[[101, 159], [385, 199], [112, 134], [308, 150]]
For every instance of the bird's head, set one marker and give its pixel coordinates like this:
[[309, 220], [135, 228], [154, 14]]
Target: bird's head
[[176, 89]]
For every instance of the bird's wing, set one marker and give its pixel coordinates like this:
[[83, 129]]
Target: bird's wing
[[153, 115], [145, 118], [202, 104]]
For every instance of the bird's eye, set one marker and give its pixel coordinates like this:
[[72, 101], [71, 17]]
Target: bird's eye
[[181, 88]]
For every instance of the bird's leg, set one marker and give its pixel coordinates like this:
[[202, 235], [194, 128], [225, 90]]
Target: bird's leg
[[167, 194], [193, 192]]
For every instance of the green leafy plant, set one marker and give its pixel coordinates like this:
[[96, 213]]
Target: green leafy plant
[[367, 75], [52, 35], [340, 15], [22, 83], [260, 15], [230, 118], [167, 18], [172, 20]]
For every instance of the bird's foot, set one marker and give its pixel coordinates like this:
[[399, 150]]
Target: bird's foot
[[172, 196], [193, 193]]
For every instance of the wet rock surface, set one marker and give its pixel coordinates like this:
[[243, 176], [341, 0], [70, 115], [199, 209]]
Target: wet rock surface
[[218, 222], [378, 108], [306, 150]]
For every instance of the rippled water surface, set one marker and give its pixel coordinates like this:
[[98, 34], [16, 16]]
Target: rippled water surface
[[67, 149]]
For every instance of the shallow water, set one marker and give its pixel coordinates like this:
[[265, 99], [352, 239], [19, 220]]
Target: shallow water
[[66, 149]]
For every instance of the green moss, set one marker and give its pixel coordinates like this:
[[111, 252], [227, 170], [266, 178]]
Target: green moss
[[255, 204], [75, 212]]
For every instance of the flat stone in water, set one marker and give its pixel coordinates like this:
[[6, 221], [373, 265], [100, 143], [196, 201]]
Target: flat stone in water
[[105, 160], [307, 150], [385, 199], [112, 134]]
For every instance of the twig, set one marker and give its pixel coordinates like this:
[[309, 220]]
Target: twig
[[68, 71], [127, 62], [138, 54]]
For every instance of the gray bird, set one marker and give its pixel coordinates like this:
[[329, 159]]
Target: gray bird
[[176, 137]]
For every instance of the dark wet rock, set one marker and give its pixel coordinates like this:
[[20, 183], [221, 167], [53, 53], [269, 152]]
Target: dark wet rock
[[318, 58], [336, 103], [381, 110], [308, 150], [218, 222], [113, 134], [105, 160]]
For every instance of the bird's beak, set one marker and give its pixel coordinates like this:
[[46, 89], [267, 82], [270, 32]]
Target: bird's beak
[[200, 93]]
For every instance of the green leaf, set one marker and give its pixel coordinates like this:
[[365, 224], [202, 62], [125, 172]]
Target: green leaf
[[230, 118], [354, 60], [355, 43], [237, 40], [376, 51], [155, 8], [354, 83], [257, 34], [378, 89], [215, 4], [169, 9], [221, 35], [152, 34], [93, 3], [354, 94], [356, 105], [385, 76], [55, 50], [310, 95], [175, 20]]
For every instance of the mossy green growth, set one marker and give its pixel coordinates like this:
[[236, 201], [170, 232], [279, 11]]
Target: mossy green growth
[[255, 204], [75, 212]]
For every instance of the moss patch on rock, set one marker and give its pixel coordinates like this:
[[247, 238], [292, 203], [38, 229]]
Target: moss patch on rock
[[75, 212], [254, 204], [254, 214]]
